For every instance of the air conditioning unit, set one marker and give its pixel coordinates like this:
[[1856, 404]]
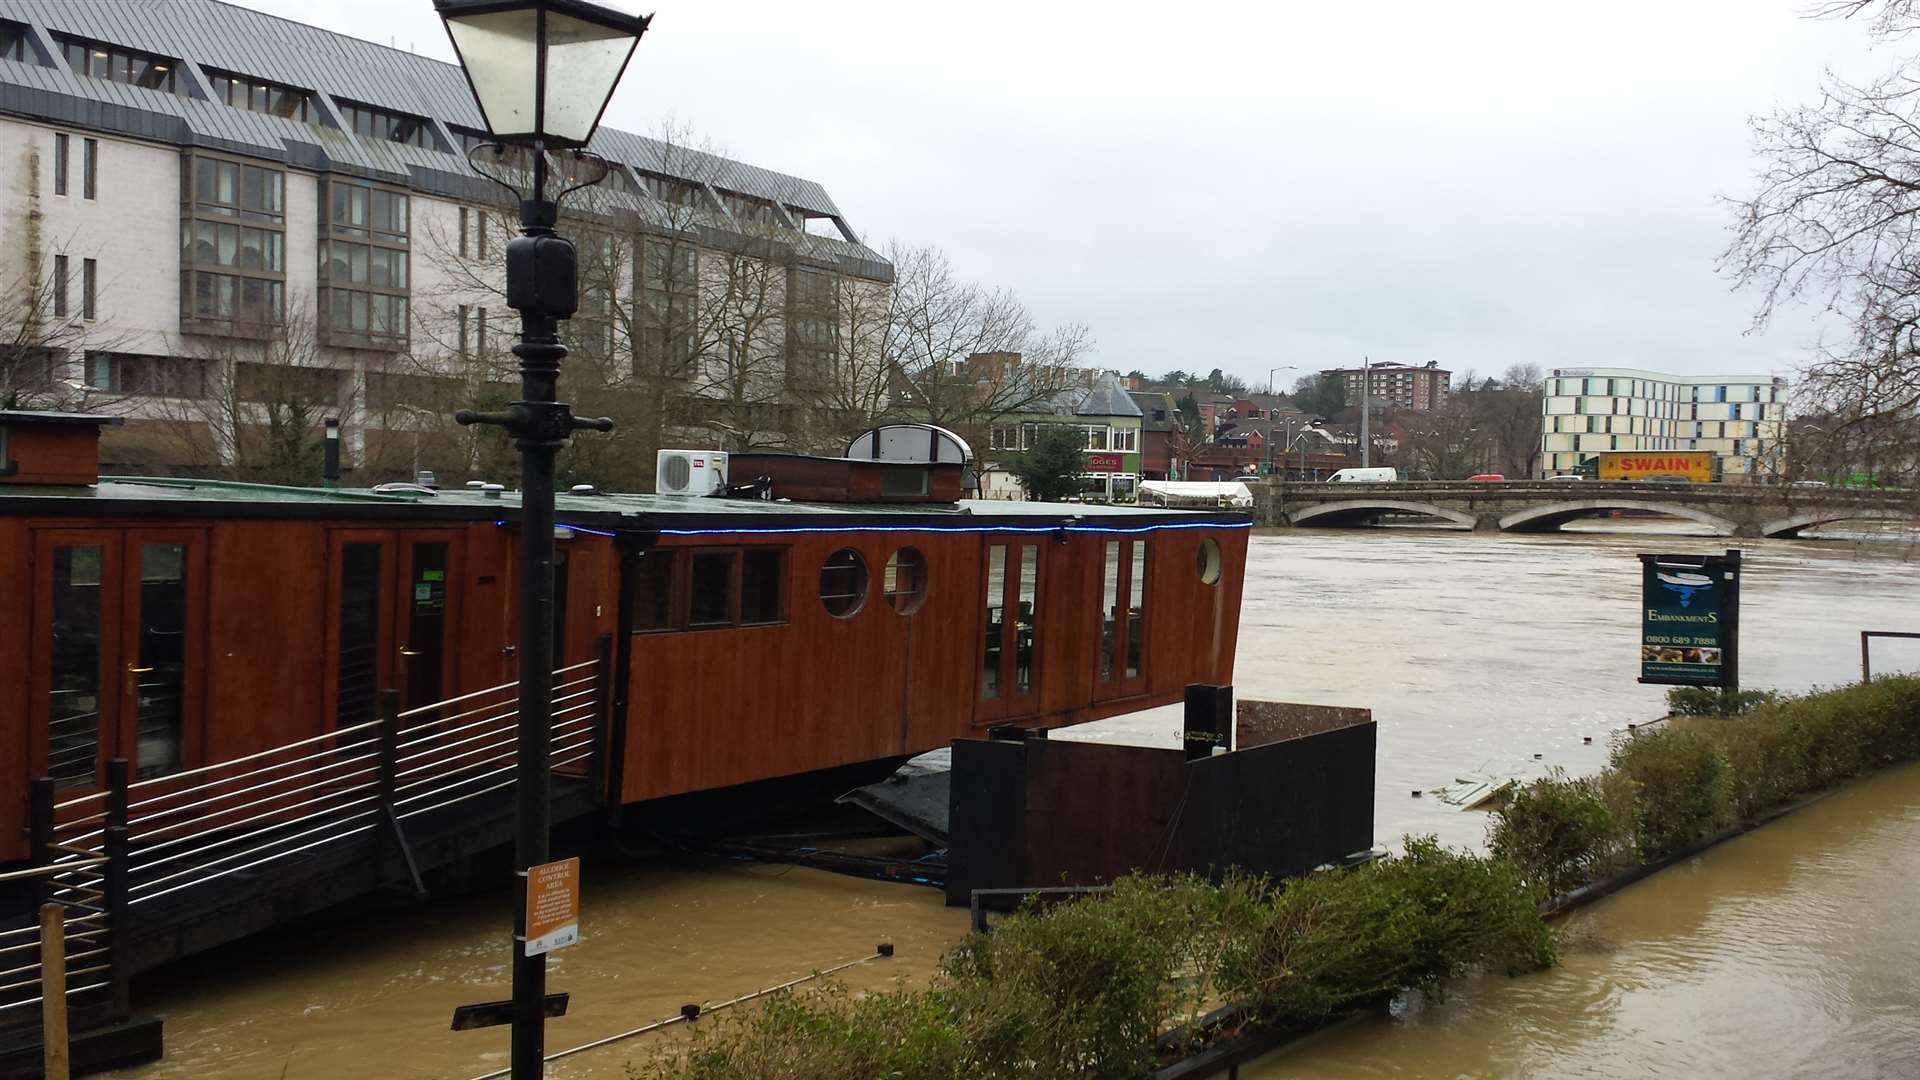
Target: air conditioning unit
[[690, 472]]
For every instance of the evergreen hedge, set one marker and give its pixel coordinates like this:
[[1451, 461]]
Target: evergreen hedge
[[1670, 787]]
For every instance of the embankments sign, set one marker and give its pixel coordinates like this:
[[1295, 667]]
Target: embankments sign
[[553, 906], [1690, 619], [1695, 466]]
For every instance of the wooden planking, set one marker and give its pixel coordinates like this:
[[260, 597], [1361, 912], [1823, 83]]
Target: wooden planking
[[50, 454], [266, 647], [16, 646]]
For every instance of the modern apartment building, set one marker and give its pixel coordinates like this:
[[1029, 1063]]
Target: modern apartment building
[[1739, 417], [209, 212], [1421, 388]]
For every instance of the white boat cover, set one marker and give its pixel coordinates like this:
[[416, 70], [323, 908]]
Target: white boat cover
[[1195, 493]]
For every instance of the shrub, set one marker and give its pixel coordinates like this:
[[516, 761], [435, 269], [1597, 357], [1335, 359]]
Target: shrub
[[1712, 701], [1681, 788], [1557, 833], [1329, 943]]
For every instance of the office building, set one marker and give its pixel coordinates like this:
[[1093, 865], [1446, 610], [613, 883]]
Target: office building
[[224, 225], [1421, 388], [1739, 417]]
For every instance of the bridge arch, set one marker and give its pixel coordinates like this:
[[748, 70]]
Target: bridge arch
[[1551, 517], [1798, 523], [1356, 511]]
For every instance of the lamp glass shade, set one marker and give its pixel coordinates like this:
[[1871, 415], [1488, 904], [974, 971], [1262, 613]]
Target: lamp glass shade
[[501, 51], [584, 62]]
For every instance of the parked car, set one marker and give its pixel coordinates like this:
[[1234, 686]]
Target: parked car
[[1566, 476], [1665, 478], [1365, 476], [1486, 476], [1808, 484]]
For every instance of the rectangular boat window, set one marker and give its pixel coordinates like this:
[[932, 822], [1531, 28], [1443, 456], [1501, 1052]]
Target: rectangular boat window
[[710, 589], [356, 680], [1136, 607], [995, 621], [73, 705], [762, 585], [652, 591], [1025, 618], [1109, 610], [160, 674]]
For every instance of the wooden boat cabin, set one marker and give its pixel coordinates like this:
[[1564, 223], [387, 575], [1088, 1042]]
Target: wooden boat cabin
[[177, 623]]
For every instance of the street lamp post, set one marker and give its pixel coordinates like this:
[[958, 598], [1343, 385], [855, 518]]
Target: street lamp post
[[542, 72]]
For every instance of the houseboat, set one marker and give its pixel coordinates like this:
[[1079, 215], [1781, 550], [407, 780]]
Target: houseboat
[[823, 622]]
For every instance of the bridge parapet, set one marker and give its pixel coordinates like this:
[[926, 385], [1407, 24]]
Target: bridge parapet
[[1537, 505]]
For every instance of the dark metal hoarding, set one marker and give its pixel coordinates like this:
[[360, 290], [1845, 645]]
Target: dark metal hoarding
[[1690, 619]]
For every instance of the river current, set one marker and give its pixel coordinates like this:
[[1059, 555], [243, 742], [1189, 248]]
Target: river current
[[1793, 951]]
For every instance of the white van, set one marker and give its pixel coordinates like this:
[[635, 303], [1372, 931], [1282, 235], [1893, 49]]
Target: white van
[[1365, 476]]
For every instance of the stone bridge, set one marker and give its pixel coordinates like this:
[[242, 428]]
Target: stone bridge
[[1749, 510]]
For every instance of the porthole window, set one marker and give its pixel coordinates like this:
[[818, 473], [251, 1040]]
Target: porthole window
[[905, 581], [843, 583], [1207, 558]]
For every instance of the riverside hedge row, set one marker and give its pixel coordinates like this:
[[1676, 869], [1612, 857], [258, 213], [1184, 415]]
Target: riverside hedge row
[[1670, 787], [1084, 989]]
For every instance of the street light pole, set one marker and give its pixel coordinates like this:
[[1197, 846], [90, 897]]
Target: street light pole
[[504, 48], [1366, 411]]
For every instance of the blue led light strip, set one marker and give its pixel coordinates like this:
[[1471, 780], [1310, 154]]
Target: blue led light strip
[[958, 529], [769, 530]]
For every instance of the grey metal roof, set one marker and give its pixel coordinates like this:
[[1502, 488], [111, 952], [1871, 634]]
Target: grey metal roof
[[1108, 398], [247, 42]]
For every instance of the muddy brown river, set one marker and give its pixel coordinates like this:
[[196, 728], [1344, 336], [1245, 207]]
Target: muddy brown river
[[1794, 951]]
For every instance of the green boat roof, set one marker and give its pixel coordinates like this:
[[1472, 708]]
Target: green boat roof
[[191, 497]]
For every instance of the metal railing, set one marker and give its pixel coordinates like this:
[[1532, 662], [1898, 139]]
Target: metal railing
[[1866, 652], [79, 885], [105, 854]]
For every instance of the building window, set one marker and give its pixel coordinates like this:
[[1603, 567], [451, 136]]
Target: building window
[[259, 95], [480, 331], [232, 246], [1208, 561], [1096, 436], [364, 271], [463, 232], [668, 284], [113, 63], [370, 122], [59, 286], [89, 167], [152, 376], [710, 590], [13, 44], [722, 587], [763, 589], [59, 164], [843, 583], [1126, 439], [904, 583], [813, 326], [464, 311], [1123, 613], [650, 591], [89, 276]]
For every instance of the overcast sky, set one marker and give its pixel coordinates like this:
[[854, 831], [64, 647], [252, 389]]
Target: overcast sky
[[1253, 184]]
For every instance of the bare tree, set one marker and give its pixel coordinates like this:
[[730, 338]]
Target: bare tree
[[1832, 223], [964, 355], [44, 340]]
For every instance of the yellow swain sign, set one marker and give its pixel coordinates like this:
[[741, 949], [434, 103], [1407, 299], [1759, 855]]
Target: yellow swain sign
[[1692, 465]]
